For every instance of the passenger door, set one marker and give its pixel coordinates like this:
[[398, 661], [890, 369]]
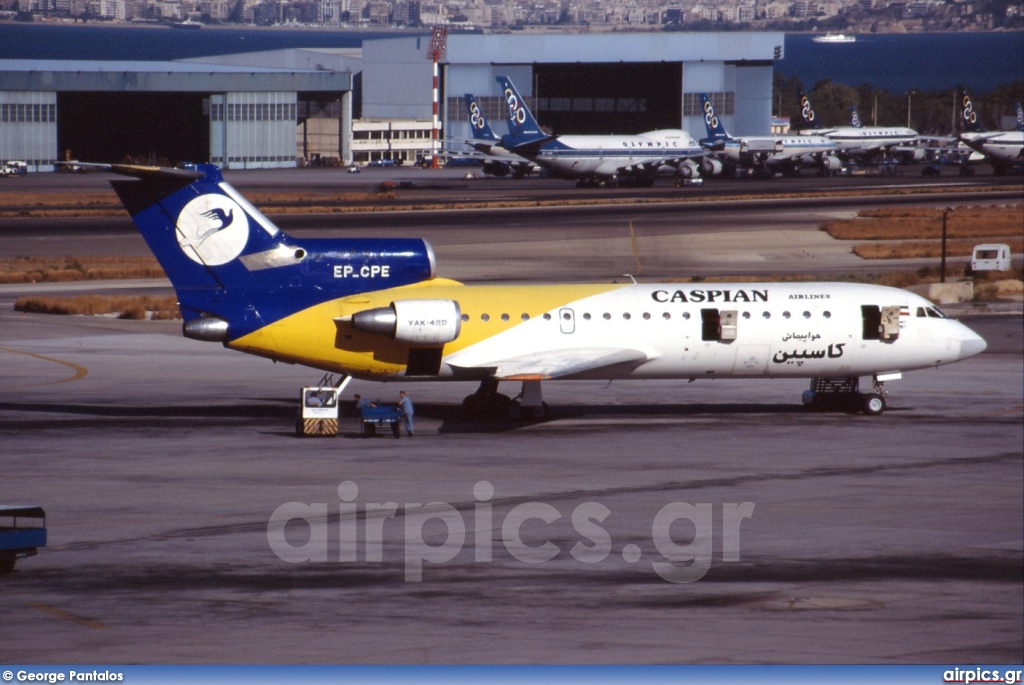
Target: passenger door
[[567, 320]]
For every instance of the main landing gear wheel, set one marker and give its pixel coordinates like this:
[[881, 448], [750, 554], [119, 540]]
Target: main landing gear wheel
[[482, 405], [540, 412], [873, 404]]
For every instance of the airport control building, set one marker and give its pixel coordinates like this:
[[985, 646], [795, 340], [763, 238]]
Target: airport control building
[[286, 107]]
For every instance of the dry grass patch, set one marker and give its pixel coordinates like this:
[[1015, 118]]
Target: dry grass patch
[[124, 306], [1008, 289], [49, 270], [902, 223], [895, 279], [923, 249]]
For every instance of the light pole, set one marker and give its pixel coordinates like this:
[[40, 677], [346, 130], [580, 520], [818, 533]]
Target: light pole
[[942, 263], [909, 93]]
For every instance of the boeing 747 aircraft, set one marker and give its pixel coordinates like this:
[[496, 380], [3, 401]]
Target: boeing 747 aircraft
[[637, 159], [375, 309], [863, 142], [497, 160], [786, 153]]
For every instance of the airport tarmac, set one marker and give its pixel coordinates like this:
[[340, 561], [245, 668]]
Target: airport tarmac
[[161, 461]]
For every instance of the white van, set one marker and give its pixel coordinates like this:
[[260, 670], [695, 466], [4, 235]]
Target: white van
[[13, 169], [990, 257]]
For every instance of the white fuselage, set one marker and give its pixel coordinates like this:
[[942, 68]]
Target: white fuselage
[[606, 156], [852, 141], [805, 330], [1007, 146], [771, 150]]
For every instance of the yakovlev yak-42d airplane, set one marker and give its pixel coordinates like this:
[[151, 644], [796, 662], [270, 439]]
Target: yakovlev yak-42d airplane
[[374, 309]]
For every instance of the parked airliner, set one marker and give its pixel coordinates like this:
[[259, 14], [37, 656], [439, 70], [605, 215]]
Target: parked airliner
[[497, 160], [590, 158], [1004, 149], [375, 309], [765, 154], [863, 142]]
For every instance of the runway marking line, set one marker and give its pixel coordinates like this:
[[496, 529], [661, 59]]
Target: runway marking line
[[60, 613], [80, 371]]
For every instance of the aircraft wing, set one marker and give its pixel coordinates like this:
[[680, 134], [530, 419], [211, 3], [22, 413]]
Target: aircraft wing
[[482, 146], [530, 148], [562, 363], [674, 160], [138, 170]]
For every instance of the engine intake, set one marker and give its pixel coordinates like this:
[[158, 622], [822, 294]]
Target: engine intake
[[710, 167], [422, 322], [831, 163]]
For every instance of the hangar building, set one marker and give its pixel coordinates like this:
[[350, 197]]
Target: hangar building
[[269, 109], [618, 83], [158, 112]]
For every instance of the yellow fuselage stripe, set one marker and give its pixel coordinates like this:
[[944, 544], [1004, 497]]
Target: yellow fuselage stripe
[[311, 337]]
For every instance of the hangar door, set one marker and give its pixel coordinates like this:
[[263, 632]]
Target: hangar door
[[142, 127], [253, 130], [620, 98]]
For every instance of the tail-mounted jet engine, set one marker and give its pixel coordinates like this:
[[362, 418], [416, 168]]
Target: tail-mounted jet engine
[[421, 322]]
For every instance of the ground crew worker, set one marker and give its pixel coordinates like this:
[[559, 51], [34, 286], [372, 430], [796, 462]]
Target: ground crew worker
[[406, 405], [360, 403]]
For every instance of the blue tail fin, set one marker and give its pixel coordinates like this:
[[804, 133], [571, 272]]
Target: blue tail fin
[[807, 115], [855, 118], [230, 264], [968, 122], [523, 129], [1020, 117], [712, 124], [481, 129]]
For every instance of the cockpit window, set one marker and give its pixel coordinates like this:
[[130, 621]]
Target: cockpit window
[[934, 313], [920, 313]]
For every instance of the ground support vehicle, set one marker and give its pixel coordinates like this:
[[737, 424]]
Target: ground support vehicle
[[19, 538], [381, 417], [319, 411]]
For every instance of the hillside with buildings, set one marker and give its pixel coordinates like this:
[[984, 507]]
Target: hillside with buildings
[[854, 16]]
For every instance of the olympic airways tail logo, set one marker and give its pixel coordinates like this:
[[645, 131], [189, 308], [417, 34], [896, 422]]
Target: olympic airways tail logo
[[709, 115], [515, 110], [855, 119], [476, 117], [1020, 116], [969, 115], [212, 229], [805, 109]]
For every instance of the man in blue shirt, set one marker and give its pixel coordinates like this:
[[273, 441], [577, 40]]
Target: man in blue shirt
[[406, 405]]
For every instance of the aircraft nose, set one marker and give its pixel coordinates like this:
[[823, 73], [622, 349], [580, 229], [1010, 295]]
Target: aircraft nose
[[970, 343]]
